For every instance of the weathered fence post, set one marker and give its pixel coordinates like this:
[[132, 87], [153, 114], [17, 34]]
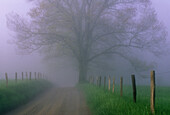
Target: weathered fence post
[[104, 82], [15, 77], [152, 104], [6, 76], [97, 81], [30, 75], [35, 76], [43, 76], [93, 80], [22, 76], [100, 80], [109, 83], [113, 89], [134, 88], [121, 86], [26, 76], [89, 79], [38, 75]]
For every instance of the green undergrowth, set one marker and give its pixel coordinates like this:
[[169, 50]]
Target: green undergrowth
[[104, 102], [19, 93]]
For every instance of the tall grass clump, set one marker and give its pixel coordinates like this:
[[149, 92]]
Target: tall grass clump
[[104, 102]]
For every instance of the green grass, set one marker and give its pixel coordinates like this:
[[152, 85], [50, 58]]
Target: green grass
[[106, 103], [19, 93]]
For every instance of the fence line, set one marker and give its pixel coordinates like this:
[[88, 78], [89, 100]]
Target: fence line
[[152, 86], [40, 76]]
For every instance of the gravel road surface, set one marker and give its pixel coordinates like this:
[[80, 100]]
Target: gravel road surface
[[55, 101]]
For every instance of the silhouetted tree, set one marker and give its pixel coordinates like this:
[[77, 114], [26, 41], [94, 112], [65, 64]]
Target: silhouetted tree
[[88, 29]]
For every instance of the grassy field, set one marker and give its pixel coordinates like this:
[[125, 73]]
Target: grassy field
[[19, 93], [106, 103]]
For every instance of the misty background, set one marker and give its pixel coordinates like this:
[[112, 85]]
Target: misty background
[[61, 70]]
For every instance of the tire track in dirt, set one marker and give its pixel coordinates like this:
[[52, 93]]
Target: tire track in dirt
[[56, 101]]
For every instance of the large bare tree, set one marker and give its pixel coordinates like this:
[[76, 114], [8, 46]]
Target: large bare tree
[[89, 29]]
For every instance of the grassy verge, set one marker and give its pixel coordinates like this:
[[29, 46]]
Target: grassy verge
[[106, 103], [19, 93]]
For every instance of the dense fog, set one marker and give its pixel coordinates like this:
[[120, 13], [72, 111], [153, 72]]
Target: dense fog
[[61, 70]]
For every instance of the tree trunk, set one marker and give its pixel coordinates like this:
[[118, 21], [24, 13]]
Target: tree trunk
[[82, 72]]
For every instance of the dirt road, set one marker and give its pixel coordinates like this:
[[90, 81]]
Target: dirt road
[[56, 101]]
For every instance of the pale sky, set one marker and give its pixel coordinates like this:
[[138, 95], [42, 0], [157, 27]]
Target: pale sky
[[162, 8], [11, 62]]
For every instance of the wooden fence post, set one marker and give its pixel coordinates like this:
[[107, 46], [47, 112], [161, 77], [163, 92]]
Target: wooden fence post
[[109, 83], [89, 79], [6, 76], [152, 101], [134, 88], [113, 89], [43, 76], [30, 75], [96, 81], [22, 76], [26, 76], [93, 80], [35, 76], [38, 75], [104, 82], [100, 80], [121, 86], [15, 77]]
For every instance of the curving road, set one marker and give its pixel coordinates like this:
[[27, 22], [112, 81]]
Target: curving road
[[56, 101]]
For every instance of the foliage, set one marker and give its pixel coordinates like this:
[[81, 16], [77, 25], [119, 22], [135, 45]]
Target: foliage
[[106, 103]]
